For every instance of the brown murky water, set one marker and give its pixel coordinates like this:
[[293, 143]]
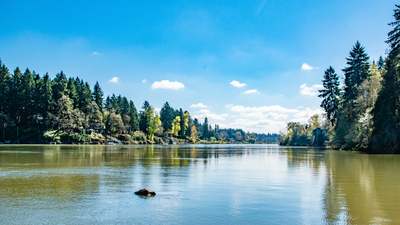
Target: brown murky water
[[196, 184]]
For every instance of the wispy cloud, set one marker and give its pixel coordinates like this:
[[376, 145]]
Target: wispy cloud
[[144, 81], [251, 91], [305, 66], [260, 7], [166, 84], [199, 105], [237, 84], [114, 80], [96, 53], [311, 91]]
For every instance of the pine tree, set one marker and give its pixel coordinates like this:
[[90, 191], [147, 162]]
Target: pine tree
[[134, 120], [330, 94], [356, 72], [16, 96], [27, 93], [5, 84], [205, 133], [60, 83], [182, 124], [167, 116], [386, 116], [124, 106], [97, 96], [381, 63], [144, 118], [85, 97], [72, 92], [46, 104], [108, 104]]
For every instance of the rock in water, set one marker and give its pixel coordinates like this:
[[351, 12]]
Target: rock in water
[[145, 192]]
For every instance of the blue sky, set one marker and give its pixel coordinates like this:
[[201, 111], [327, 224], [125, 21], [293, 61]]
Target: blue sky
[[192, 52]]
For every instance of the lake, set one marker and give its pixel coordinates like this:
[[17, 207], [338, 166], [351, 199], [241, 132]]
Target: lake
[[196, 184]]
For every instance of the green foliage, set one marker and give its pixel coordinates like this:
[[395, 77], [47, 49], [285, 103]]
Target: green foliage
[[330, 94], [176, 126], [356, 72], [205, 133], [182, 124], [97, 96], [300, 134]]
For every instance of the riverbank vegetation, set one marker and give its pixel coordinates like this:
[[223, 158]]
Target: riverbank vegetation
[[364, 112], [38, 109]]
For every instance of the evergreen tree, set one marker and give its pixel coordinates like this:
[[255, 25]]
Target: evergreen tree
[[205, 133], [386, 116], [356, 72], [108, 104], [97, 96], [59, 87], [72, 92], [5, 89], [330, 93], [134, 120], [394, 35], [182, 124], [124, 106], [85, 97], [144, 118], [16, 96], [167, 116], [381, 63], [27, 93]]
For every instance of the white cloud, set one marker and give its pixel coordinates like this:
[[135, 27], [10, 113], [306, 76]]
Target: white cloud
[[144, 81], [114, 80], [157, 110], [303, 115], [96, 53], [237, 84], [305, 66], [310, 90], [210, 115], [260, 115], [272, 108], [199, 105], [166, 84], [259, 126], [251, 91]]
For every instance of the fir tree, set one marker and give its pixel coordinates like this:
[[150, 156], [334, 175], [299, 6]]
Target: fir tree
[[134, 120], [386, 116], [381, 63], [108, 103], [356, 72], [182, 124], [5, 86], [97, 96], [205, 133], [72, 92], [167, 116], [330, 93]]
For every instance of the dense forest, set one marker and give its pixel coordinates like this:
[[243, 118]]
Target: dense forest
[[363, 113], [66, 110]]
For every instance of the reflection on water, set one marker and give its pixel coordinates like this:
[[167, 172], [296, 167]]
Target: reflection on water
[[196, 184]]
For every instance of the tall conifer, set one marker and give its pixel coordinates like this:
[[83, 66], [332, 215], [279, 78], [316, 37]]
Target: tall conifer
[[330, 93]]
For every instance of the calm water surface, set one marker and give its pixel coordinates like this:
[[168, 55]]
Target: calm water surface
[[196, 184]]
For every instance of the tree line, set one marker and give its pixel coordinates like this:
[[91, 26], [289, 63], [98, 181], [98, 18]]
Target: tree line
[[70, 105], [364, 112]]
